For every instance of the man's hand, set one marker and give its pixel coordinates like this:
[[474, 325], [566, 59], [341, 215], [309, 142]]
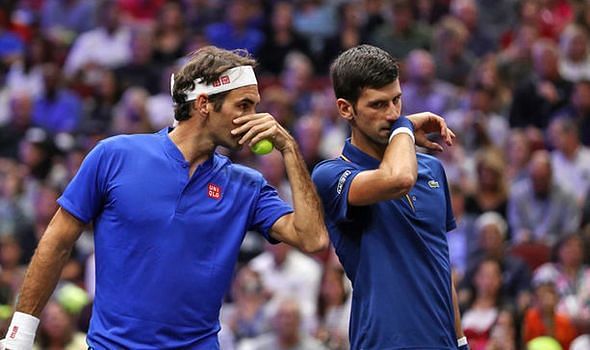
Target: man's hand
[[426, 123], [259, 126]]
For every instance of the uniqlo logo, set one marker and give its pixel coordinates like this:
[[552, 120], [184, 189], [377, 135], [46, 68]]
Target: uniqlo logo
[[224, 80], [13, 332], [214, 191], [216, 83]]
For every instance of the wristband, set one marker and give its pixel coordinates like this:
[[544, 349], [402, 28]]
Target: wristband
[[462, 343], [402, 125], [22, 330]]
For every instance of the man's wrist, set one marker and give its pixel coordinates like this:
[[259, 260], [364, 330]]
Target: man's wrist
[[21, 332], [402, 125], [462, 343]]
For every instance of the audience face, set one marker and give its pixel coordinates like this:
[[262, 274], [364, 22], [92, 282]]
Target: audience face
[[488, 279], [421, 68], [581, 97], [571, 252], [541, 173], [288, 320]]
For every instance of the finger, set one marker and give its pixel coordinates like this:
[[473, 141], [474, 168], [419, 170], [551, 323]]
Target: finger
[[245, 118], [254, 131], [433, 146], [267, 134], [248, 125]]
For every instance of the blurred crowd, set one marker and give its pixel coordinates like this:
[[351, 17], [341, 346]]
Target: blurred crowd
[[512, 79]]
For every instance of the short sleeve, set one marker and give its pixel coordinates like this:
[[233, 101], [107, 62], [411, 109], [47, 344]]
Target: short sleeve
[[450, 220], [268, 209], [84, 196], [333, 180]]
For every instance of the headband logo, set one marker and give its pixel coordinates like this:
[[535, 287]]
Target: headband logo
[[224, 80]]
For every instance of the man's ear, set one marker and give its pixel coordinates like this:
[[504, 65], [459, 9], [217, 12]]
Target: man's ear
[[345, 109], [201, 105]]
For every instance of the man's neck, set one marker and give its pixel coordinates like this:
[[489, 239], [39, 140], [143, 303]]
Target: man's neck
[[367, 146], [195, 145]]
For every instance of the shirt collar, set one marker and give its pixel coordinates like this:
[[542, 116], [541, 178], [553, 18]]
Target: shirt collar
[[355, 155], [173, 151]]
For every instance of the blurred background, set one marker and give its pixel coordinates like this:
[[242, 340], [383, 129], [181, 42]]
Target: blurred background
[[512, 78]]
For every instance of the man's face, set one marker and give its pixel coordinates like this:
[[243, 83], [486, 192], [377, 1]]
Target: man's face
[[238, 102], [375, 112]]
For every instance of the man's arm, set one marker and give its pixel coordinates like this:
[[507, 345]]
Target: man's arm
[[305, 227], [398, 170], [45, 268], [41, 278]]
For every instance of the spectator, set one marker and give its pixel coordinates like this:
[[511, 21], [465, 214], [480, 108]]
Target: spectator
[[334, 307], [58, 109], [454, 62], [422, 90], [287, 334], [572, 280], [170, 35], [578, 110], [105, 46], [26, 75], [403, 34], [518, 154], [574, 64], [538, 97], [140, 71], [476, 123], [570, 159], [538, 208], [281, 39], [491, 189], [479, 42], [481, 315], [130, 114], [57, 330], [63, 20], [543, 319], [462, 239], [235, 32], [491, 231], [247, 316], [287, 273]]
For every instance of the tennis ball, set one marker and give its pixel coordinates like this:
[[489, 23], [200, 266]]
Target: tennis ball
[[262, 147], [72, 298], [543, 343]]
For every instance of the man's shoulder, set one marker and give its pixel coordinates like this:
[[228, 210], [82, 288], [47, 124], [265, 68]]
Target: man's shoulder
[[127, 142], [429, 161]]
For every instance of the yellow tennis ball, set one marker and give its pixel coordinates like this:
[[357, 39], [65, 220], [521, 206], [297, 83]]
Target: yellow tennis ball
[[262, 147]]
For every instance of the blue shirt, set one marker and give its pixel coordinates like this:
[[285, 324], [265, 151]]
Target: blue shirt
[[166, 245], [395, 253]]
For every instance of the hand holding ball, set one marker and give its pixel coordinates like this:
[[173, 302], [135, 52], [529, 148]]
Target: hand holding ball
[[262, 147]]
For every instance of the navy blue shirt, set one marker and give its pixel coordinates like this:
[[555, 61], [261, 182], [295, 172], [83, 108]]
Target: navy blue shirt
[[166, 244], [395, 253]]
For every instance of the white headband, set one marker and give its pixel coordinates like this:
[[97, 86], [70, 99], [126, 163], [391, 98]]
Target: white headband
[[231, 79]]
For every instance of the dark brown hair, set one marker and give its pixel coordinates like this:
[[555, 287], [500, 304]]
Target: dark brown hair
[[206, 64]]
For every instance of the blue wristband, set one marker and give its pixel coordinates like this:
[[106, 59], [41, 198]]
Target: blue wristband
[[402, 122], [464, 347]]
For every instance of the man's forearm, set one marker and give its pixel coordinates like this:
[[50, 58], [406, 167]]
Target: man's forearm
[[458, 326], [309, 220], [42, 276], [51, 255]]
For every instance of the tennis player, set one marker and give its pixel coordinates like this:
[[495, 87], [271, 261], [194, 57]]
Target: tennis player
[[169, 215], [388, 211]]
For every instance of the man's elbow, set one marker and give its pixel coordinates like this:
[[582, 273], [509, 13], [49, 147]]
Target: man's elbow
[[319, 242], [404, 183]]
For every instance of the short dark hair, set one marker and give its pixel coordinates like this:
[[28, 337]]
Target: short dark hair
[[207, 64], [360, 67]]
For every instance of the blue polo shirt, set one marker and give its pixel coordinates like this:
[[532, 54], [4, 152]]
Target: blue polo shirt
[[395, 253], [166, 244]]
